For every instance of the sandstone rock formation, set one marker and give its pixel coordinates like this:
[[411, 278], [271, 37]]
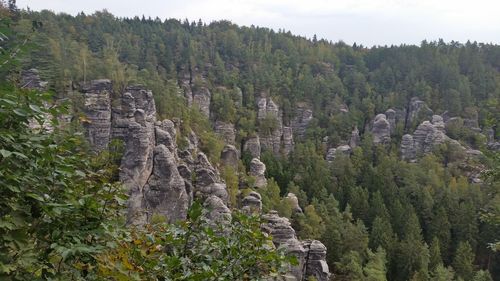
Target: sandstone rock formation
[[252, 203], [252, 146], [355, 139], [279, 140], [30, 79], [417, 111], [258, 170], [201, 99], [226, 131], [311, 254], [97, 108], [303, 116], [381, 130], [408, 151], [287, 140], [340, 150], [294, 202], [230, 156]]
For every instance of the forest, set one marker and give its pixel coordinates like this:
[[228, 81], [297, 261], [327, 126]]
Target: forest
[[379, 216]]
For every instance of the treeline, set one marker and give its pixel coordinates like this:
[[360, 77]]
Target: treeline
[[381, 218]]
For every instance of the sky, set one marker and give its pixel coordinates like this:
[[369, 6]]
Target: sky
[[366, 22]]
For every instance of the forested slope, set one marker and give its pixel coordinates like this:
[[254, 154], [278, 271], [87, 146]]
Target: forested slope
[[379, 216]]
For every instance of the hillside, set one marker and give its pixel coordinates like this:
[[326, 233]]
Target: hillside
[[387, 155]]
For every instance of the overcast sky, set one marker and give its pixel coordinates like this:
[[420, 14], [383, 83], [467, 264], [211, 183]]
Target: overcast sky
[[367, 22]]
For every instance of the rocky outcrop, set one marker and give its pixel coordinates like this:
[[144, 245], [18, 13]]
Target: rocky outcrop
[[252, 203], [252, 147], [426, 137], [272, 134], [294, 202], [391, 118], [226, 131], [287, 140], [408, 151], [341, 150], [417, 111], [381, 130], [310, 254], [30, 79], [303, 116], [258, 170], [165, 192], [97, 108], [230, 156], [355, 139], [201, 99]]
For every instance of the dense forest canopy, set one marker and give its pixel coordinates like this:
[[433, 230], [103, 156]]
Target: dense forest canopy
[[381, 218]]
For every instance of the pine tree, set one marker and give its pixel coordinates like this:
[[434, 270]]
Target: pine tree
[[463, 261]]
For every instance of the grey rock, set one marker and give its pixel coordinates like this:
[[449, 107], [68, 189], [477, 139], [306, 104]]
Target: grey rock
[[391, 118], [287, 140], [408, 151], [438, 123], [97, 108], [165, 191], [426, 137], [215, 211], [381, 130], [230, 157], [30, 79], [355, 139], [271, 141], [252, 203], [303, 116], [311, 254], [252, 146], [294, 202], [316, 260], [201, 99], [136, 167], [340, 150], [258, 170], [418, 111], [226, 131]]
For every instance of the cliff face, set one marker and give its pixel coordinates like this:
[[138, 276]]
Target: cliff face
[[163, 180]]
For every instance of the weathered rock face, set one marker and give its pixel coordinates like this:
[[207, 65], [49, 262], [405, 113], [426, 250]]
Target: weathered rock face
[[426, 137], [311, 254], [252, 203], [201, 99], [391, 118], [215, 211], [303, 116], [97, 108], [226, 131], [279, 140], [258, 170], [230, 156], [417, 111], [165, 191], [341, 150], [408, 151], [30, 79], [287, 140], [381, 130], [252, 146], [294, 202], [355, 139]]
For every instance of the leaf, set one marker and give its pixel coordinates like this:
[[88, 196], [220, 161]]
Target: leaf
[[5, 153], [35, 108]]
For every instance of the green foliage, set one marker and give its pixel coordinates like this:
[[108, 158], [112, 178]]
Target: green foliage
[[57, 201], [463, 261], [194, 250]]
